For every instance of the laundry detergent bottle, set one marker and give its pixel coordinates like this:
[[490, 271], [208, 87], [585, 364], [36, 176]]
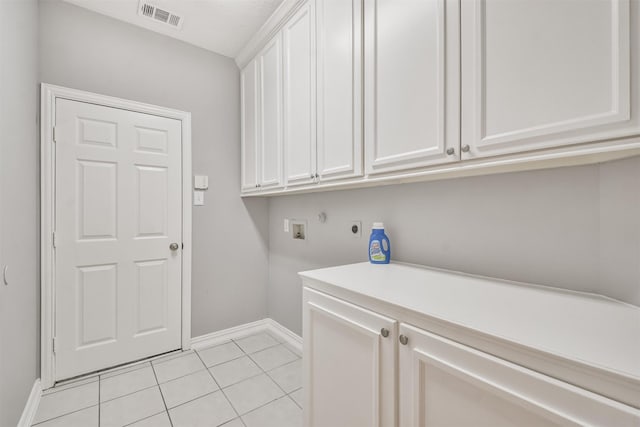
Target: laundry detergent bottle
[[379, 247]]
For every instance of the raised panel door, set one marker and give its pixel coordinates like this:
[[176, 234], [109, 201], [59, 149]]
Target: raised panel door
[[299, 97], [349, 365], [270, 136], [339, 95], [118, 208], [544, 74], [411, 83], [444, 383], [249, 120]]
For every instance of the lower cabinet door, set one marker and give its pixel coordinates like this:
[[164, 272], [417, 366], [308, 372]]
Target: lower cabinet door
[[443, 383], [349, 364]]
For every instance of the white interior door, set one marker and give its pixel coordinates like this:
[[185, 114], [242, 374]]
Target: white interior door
[[117, 210]]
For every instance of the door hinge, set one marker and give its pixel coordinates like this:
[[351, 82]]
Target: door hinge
[[53, 239], [55, 348]]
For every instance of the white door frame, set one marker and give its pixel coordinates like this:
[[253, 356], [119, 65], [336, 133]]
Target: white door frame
[[49, 94]]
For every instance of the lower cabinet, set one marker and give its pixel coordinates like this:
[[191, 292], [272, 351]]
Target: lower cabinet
[[352, 378], [442, 382], [349, 364]]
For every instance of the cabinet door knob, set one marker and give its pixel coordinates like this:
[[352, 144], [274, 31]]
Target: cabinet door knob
[[174, 246], [384, 332], [466, 148], [451, 151], [403, 339], [312, 176]]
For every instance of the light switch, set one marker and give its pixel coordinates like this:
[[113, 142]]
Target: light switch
[[198, 198], [201, 182]]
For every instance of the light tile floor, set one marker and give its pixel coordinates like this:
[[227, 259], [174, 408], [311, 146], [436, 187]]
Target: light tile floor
[[254, 381]]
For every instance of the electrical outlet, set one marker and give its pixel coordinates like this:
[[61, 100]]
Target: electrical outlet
[[355, 228]]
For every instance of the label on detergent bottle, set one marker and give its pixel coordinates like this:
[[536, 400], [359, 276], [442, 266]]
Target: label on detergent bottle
[[375, 251]]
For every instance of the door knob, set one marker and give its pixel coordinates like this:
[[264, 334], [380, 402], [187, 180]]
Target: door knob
[[384, 332], [403, 339], [174, 246], [451, 151], [466, 148]]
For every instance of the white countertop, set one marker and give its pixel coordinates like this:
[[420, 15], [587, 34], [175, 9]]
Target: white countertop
[[590, 329]]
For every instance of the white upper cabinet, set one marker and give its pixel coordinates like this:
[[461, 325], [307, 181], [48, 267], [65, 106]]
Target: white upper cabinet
[[261, 94], [299, 97], [411, 83], [543, 74], [270, 146], [249, 138], [350, 93], [339, 90]]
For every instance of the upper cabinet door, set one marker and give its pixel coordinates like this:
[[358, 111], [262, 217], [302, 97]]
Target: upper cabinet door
[[270, 138], [411, 83], [299, 97], [249, 138], [541, 74], [339, 44]]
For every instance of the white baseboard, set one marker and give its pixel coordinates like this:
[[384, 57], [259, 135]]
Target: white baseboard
[[269, 325], [291, 338], [31, 407]]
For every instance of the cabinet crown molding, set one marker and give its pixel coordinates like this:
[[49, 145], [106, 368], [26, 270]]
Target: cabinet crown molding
[[269, 29]]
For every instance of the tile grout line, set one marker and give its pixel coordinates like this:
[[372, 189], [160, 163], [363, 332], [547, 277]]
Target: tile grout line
[[273, 369], [268, 376], [226, 361], [113, 372], [63, 415], [78, 383], [142, 419], [270, 402], [161, 395], [272, 379], [178, 378], [220, 388], [257, 351], [294, 400]]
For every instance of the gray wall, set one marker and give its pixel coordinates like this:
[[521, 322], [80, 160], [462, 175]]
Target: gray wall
[[18, 206], [84, 50], [575, 228]]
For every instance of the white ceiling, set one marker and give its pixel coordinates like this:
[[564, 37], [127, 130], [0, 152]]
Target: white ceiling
[[221, 26]]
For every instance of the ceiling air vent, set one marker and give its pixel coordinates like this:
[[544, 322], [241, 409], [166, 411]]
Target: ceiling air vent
[[159, 15]]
